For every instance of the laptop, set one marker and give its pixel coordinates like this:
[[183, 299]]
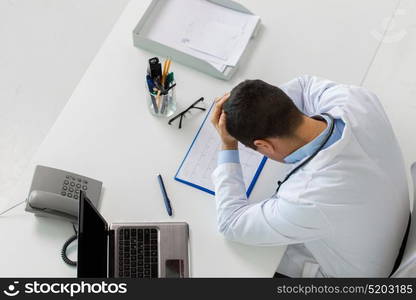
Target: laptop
[[129, 250]]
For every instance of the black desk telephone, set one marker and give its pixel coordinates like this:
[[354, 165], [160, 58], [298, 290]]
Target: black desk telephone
[[55, 193]]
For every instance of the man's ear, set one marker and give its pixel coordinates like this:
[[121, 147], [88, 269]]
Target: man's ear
[[264, 146]]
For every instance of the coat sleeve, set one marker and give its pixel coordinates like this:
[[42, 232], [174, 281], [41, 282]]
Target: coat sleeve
[[273, 221]]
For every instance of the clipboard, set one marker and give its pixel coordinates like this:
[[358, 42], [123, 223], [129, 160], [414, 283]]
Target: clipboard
[[258, 162]]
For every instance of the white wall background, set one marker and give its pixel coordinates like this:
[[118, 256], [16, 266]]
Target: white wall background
[[45, 47]]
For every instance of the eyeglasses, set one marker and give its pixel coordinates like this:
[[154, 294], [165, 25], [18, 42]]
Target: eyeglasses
[[188, 112]]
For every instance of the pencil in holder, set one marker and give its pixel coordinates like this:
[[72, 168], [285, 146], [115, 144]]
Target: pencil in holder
[[162, 103], [161, 84]]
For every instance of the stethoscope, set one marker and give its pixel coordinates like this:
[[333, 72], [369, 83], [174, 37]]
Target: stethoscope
[[331, 130]]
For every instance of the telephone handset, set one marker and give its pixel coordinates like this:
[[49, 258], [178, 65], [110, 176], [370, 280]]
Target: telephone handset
[[55, 193]]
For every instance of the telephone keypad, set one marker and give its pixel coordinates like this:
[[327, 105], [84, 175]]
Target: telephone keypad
[[71, 186]]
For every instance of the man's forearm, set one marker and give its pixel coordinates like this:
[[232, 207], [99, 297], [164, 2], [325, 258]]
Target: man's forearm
[[230, 146], [229, 189]]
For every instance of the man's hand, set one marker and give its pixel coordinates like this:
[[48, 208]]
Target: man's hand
[[218, 119]]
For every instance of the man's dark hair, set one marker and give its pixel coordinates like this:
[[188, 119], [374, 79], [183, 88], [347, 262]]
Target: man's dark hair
[[258, 110]]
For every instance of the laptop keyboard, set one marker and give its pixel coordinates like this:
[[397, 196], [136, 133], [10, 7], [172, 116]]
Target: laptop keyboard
[[138, 253]]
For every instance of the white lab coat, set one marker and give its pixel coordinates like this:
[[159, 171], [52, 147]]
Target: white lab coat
[[343, 214]]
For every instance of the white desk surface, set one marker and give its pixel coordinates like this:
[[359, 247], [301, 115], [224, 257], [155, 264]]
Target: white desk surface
[[106, 132]]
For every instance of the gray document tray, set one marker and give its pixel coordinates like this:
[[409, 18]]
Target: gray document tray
[[141, 41]]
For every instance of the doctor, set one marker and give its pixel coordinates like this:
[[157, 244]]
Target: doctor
[[344, 207]]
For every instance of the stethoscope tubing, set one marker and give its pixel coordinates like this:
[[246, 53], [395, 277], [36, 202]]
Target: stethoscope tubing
[[330, 132]]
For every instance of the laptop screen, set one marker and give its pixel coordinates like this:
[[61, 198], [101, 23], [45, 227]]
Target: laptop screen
[[92, 241]]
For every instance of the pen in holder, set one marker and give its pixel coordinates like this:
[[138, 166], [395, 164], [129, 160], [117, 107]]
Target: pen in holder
[[162, 104], [161, 98]]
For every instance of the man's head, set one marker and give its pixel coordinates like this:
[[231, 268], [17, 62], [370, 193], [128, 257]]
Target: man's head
[[262, 117]]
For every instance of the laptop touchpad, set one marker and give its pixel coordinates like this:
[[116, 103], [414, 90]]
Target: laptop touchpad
[[174, 268]]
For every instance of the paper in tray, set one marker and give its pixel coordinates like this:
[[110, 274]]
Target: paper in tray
[[210, 36]]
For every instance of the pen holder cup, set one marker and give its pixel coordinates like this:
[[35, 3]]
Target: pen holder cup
[[163, 105]]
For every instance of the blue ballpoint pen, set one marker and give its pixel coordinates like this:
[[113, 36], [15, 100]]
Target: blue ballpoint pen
[[165, 195]]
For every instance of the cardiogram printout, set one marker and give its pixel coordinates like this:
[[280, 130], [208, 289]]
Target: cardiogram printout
[[201, 160], [203, 29]]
